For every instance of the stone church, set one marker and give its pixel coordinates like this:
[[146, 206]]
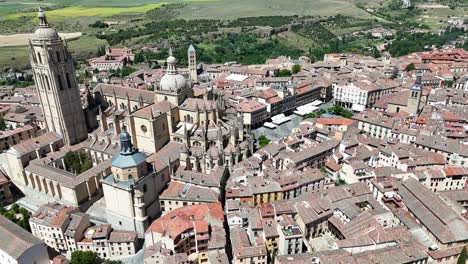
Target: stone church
[[158, 133]]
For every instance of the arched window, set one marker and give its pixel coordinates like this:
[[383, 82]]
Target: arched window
[[67, 78], [46, 81], [57, 53], [60, 81], [39, 57], [130, 177]]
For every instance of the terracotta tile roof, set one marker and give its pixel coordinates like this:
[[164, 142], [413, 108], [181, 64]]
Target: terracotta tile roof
[[335, 121], [333, 165], [184, 191], [249, 106], [195, 103], [268, 93], [122, 236], [455, 171], [183, 219], [9, 133], [37, 142], [158, 108]]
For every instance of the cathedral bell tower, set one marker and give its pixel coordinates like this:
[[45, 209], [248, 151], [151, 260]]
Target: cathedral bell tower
[[54, 75], [414, 99], [192, 61]]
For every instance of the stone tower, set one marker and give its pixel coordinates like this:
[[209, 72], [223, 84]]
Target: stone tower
[[192, 62], [54, 75], [414, 98]]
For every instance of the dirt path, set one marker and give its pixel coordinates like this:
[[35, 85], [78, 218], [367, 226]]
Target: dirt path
[[23, 39]]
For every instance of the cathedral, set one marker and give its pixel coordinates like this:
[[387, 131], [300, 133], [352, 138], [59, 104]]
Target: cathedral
[[161, 135], [174, 115]]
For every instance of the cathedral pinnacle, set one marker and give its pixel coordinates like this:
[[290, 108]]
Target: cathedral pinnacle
[[42, 18]]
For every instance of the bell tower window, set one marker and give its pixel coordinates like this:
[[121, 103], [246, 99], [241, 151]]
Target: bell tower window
[[47, 84], [58, 56], [67, 78], [60, 82]]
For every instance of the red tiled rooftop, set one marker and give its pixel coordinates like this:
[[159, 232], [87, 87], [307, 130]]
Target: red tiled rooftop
[[455, 171], [179, 220], [335, 121]]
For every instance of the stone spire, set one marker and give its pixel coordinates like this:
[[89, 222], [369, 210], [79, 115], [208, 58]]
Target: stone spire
[[42, 19], [171, 63]]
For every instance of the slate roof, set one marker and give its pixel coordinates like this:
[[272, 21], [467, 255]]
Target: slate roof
[[14, 240], [128, 161]]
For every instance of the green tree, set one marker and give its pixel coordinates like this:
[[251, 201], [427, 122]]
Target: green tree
[[3, 125], [463, 256], [338, 110], [323, 169], [311, 115], [77, 162], [376, 53], [99, 24], [410, 67], [273, 256], [17, 215], [139, 58], [84, 257], [448, 84], [296, 68], [282, 73], [125, 71], [108, 261], [263, 141], [101, 51]]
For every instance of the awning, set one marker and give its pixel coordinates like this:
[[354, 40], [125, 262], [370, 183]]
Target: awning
[[358, 107]]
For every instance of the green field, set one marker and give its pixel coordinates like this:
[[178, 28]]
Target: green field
[[86, 11], [228, 9], [293, 39], [13, 57], [222, 9]]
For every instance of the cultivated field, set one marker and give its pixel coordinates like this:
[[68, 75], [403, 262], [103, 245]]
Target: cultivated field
[[222, 9], [85, 11], [231, 9]]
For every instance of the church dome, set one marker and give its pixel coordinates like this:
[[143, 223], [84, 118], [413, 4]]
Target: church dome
[[46, 34], [125, 136], [129, 157], [173, 82]]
